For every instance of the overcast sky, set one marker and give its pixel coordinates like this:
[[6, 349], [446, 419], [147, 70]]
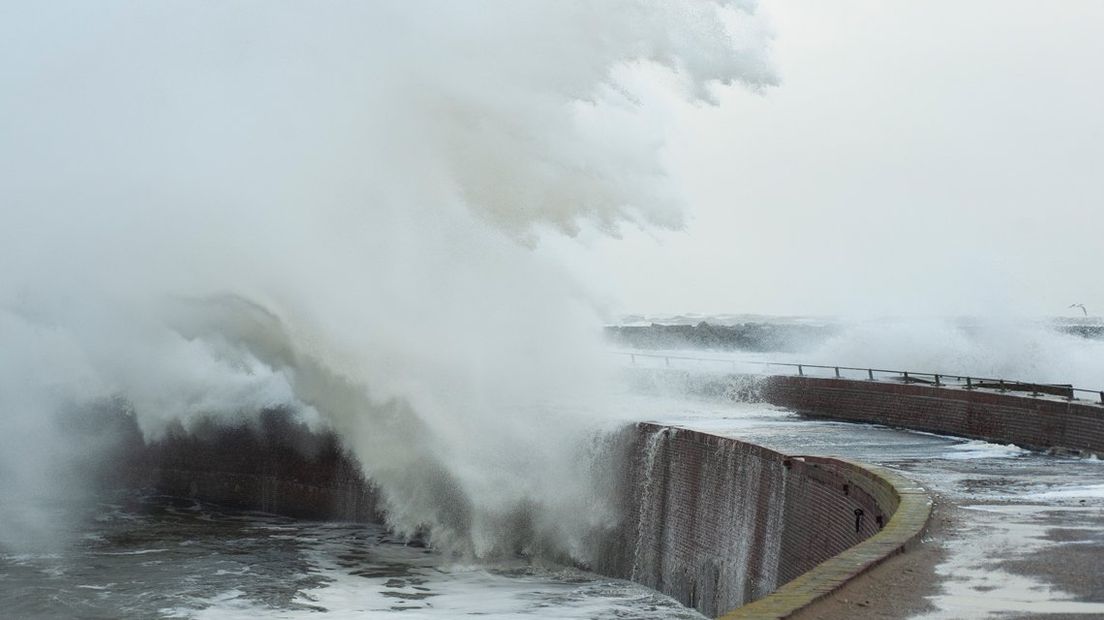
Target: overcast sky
[[917, 158]]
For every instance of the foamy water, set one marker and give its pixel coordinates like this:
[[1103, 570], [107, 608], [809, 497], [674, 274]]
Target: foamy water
[[150, 556]]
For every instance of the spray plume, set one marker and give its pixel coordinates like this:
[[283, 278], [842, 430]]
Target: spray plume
[[211, 209]]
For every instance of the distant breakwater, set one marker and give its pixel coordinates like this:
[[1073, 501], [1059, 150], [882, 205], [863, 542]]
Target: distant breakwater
[[764, 336], [755, 337]]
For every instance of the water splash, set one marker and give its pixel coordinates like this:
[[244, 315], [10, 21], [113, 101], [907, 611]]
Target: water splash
[[212, 210], [648, 522]]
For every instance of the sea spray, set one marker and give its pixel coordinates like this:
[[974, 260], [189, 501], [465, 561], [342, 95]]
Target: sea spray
[[772, 539], [650, 510], [212, 210], [1005, 347]]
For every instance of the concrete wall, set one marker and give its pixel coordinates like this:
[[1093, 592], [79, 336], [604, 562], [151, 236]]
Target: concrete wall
[[717, 522], [1037, 423]]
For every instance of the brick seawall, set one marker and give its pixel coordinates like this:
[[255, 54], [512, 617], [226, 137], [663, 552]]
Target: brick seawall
[[718, 523], [712, 521], [273, 464], [1041, 423]]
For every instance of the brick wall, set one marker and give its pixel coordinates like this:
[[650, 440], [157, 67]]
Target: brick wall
[[717, 522], [273, 464], [351, 500], [1037, 423]]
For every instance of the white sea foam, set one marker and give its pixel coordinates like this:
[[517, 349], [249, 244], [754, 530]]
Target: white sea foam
[[395, 579], [976, 449], [975, 585], [1074, 491]]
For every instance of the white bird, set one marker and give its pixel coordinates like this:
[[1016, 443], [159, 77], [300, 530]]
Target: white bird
[[1082, 306]]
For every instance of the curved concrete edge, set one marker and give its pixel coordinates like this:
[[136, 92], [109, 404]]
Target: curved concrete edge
[[903, 529]]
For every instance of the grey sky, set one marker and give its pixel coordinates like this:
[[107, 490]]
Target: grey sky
[[918, 158]]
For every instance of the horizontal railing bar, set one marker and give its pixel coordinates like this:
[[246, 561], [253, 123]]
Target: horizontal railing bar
[[938, 379], [857, 368]]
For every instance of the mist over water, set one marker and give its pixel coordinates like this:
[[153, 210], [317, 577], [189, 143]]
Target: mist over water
[[998, 347], [1059, 350], [212, 209]]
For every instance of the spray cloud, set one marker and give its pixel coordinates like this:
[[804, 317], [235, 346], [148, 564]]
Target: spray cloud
[[210, 209]]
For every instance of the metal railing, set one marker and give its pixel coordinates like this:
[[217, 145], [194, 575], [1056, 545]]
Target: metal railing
[[1037, 390]]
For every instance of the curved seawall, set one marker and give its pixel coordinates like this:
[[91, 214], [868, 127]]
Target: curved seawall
[[1039, 423], [718, 523], [723, 525], [711, 521]]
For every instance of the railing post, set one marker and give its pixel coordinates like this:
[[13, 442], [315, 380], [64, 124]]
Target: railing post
[[837, 372], [1000, 383], [1102, 397], [870, 373], [800, 372], [969, 383], [936, 380], [905, 375]]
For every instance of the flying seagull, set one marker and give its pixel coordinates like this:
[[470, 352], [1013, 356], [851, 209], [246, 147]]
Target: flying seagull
[[1082, 306]]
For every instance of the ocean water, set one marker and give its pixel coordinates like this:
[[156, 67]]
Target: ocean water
[[151, 556]]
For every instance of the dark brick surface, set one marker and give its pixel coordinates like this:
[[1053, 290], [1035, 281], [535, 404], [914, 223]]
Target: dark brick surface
[[724, 522], [1036, 423], [273, 464]]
